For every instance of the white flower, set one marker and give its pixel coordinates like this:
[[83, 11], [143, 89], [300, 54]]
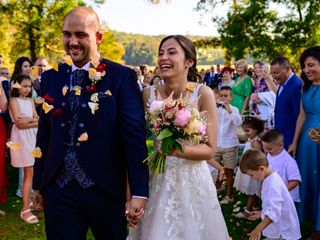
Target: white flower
[[156, 105], [94, 97]]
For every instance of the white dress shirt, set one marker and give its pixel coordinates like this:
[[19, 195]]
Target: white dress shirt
[[227, 127], [282, 85], [287, 169], [279, 207]]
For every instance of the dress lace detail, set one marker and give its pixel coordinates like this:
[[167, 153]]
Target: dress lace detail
[[183, 202]]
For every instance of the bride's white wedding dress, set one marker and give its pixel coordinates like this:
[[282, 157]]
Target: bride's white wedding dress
[[182, 202]]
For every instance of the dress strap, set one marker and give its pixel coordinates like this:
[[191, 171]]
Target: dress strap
[[195, 94], [152, 96]]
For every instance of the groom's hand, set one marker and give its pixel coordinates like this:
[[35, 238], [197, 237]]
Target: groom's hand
[[136, 210]]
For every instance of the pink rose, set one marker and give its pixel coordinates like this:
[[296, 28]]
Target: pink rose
[[202, 129], [182, 117]]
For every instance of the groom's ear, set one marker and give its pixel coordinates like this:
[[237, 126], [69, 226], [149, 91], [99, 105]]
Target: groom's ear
[[98, 37]]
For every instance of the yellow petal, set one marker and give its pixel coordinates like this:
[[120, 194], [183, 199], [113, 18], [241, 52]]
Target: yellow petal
[[65, 90], [95, 61], [55, 67], [190, 86], [13, 146], [36, 153], [93, 106], [108, 93], [34, 72], [77, 90], [39, 100], [46, 107], [91, 71], [83, 137], [16, 85], [67, 59]]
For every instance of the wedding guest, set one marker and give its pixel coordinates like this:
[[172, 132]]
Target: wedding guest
[[226, 77], [4, 72], [155, 80], [22, 65], [89, 145], [185, 189], [252, 127], [139, 78], [262, 100], [307, 152], [281, 161], [209, 76], [288, 98], [242, 88], [42, 65], [23, 132], [229, 120], [279, 215], [3, 139]]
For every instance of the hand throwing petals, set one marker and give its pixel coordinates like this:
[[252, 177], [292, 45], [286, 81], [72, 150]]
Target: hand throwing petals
[[46, 107]]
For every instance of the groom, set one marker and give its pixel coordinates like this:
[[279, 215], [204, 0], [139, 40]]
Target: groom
[[92, 138]]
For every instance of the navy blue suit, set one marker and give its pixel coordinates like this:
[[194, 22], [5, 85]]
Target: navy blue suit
[[287, 109], [116, 145]]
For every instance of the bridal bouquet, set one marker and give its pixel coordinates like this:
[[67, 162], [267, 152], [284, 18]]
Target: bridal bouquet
[[172, 121]]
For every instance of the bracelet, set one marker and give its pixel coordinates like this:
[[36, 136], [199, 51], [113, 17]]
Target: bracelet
[[183, 150]]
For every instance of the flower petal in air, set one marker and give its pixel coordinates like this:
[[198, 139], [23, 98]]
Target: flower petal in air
[[16, 85], [55, 67], [65, 90], [68, 60], [83, 137], [39, 100], [108, 93], [94, 97], [34, 72], [77, 90], [46, 107], [93, 106], [36, 153], [13, 146]]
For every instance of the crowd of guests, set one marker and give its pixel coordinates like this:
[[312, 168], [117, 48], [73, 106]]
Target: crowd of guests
[[270, 106]]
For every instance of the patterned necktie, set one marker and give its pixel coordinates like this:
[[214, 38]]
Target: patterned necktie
[[72, 169]]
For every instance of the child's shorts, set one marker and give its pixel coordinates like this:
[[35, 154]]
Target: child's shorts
[[227, 157]]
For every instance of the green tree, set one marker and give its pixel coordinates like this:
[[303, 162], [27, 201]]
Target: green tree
[[35, 29]]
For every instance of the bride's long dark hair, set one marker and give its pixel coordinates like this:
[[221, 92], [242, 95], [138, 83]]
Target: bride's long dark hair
[[190, 54]]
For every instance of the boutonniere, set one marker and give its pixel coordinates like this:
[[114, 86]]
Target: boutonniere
[[96, 74]]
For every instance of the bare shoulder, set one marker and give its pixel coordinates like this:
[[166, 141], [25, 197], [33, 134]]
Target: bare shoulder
[[206, 95]]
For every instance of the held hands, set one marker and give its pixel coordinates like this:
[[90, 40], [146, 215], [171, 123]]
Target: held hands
[[37, 200], [135, 210]]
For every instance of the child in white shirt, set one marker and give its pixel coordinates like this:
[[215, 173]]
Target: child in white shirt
[[279, 216], [227, 144], [281, 161]]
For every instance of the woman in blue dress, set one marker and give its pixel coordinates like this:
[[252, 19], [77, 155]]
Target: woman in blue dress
[[308, 152]]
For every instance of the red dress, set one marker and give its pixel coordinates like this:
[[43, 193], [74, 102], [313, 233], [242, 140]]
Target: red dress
[[3, 177]]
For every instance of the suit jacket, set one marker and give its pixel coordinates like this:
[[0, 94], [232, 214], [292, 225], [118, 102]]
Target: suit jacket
[[208, 78], [287, 109], [116, 132], [36, 86]]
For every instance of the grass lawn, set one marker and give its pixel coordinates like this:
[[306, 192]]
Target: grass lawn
[[13, 228]]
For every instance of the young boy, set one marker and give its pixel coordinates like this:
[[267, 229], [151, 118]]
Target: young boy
[[227, 145], [279, 216], [281, 161]]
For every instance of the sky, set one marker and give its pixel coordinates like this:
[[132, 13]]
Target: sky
[[140, 16]]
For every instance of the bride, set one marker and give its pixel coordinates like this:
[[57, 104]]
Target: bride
[[183, 202]]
